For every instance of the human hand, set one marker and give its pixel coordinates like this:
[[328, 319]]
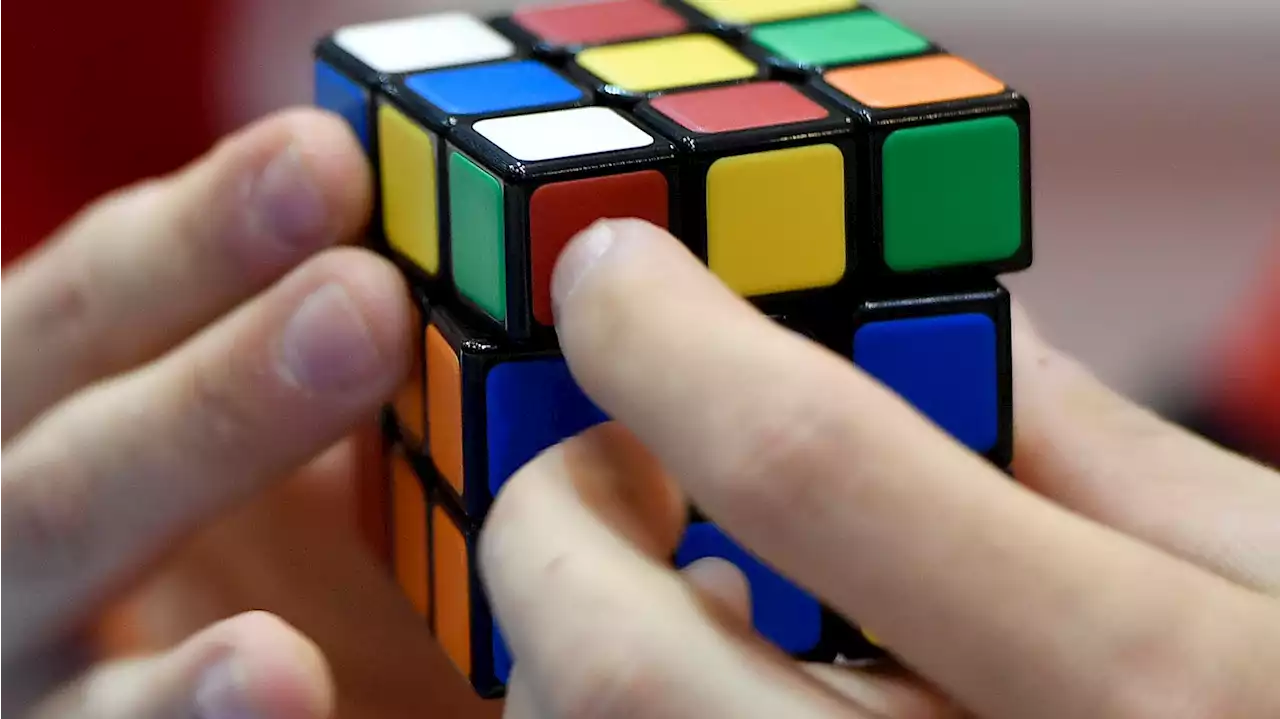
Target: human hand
[[1132, 570], [175, 351]]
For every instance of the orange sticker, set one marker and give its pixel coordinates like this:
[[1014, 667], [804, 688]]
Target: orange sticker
[[918, 81]]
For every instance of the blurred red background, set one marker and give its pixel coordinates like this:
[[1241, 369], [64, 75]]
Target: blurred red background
[[97, 101]]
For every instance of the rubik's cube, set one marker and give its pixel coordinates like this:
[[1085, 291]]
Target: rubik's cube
[[854, 180]]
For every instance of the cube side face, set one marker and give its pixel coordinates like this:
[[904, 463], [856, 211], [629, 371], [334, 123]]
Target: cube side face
[[950, 357]]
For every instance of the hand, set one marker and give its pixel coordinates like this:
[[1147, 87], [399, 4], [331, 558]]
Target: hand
[[183, 363], [1132, 571]]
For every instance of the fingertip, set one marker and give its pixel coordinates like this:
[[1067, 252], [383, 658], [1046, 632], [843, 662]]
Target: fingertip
[[272, 671], [335, 160], [722, 583]]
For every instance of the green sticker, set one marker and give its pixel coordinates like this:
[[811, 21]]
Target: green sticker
[[478, 235], [953, 194], [839, 39]]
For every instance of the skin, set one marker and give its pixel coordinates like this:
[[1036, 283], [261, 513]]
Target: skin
[[163, 345]]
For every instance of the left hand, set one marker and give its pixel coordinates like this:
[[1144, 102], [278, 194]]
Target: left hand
[[183, 366]]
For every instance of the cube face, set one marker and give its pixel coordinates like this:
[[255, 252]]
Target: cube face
[[637, 69], [753, 200], [969, 173], [834, 40], [781, 612], [555, 28], [949, 357]]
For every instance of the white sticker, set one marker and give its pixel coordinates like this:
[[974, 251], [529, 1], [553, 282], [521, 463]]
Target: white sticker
[[424, 42], [563, 133]]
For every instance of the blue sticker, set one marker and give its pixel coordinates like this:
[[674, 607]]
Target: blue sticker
[[530, 407], [945, 366], [781, 612], [502, 661], [339, 94], [500, 87]]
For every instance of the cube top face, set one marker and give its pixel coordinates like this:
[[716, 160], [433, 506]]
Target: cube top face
[[596, 22], [732, 13], [576, 136], [635, 70], [833, 40], [914, 82], [752, 114], [427, 42], [493, 88]]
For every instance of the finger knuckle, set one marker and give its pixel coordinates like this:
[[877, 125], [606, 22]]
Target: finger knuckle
[[218, 410], [612, 682], [772, 470], [49, 514]]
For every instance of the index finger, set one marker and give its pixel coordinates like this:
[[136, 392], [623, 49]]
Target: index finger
[[1004, 600]]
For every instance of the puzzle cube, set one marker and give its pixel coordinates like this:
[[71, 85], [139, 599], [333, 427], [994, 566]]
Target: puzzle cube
[[857, 182], [766, 186], [949, 355]]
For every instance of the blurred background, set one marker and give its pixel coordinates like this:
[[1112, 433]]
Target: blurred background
[[1156, 144]]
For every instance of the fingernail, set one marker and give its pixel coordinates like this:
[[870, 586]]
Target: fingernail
[[327, 344], [287, 200], [222, 693], [583, 253]]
